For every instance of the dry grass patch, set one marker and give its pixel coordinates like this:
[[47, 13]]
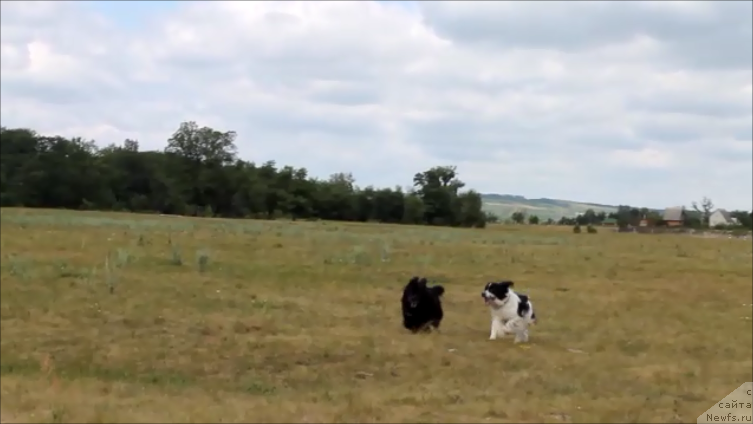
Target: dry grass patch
[[128, 318]]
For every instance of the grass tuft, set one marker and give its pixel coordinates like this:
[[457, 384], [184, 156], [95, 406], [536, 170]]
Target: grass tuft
[[202, 260], [176, 258]]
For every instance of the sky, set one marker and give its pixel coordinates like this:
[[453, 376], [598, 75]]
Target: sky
[[641, 103]]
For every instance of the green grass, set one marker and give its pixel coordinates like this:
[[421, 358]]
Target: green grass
[[111, 317]]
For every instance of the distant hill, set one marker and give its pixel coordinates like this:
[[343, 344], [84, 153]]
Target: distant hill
[[503, 205]]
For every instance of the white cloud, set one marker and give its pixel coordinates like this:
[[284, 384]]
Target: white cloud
[[643, 158], [576, 100]]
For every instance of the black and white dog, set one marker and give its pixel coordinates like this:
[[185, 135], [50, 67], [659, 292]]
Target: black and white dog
[[422, 307], [511, 312]]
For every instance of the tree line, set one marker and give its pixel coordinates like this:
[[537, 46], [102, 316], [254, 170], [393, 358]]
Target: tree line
[[199, 174], [697, 217]]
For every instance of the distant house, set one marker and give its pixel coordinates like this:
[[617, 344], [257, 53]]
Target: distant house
[[721, 217], [674, 217], [643, 222], [609, 222]]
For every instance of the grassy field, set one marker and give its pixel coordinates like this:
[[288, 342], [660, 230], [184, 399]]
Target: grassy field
[[127, 318]]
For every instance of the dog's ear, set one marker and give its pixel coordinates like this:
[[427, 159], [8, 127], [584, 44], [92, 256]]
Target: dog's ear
[[507, 283], [413, 280], [423, 282]]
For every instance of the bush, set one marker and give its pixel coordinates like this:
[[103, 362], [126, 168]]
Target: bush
[[576, 229], [591, 229]]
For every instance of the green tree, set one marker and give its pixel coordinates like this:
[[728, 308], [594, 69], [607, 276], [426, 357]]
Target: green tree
[[444, 204], [438, 188], [518, 217], [202, 144], [199, 173], [491, 218], [470, 213], [743, 218], [413, 209]]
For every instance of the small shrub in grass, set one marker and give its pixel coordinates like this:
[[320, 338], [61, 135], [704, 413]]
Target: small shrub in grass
[[123, 257], [176, 259], [385, 253], [591, 229], [576, 229], [202, 260]]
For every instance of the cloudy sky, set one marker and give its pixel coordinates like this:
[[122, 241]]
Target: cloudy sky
[[645, 103]]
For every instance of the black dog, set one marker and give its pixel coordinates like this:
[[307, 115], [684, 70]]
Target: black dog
[[422, 308]]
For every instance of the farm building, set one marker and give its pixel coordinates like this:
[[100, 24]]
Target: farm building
[[721, 217], [643, 222], [609, 222], [674, 217]]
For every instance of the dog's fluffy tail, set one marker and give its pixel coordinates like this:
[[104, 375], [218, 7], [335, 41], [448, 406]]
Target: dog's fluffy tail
[[437, 290]]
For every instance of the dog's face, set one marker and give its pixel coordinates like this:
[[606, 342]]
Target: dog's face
[[414, 292], [496, 294]]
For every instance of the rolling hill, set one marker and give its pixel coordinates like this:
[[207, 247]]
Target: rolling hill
[[503, 205]]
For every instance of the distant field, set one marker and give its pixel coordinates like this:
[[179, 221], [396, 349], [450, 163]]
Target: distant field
[[300, 322], [504, 206]]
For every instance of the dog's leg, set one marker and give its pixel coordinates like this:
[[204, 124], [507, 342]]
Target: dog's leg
[[497, 329], [521, 336], [511, 326], [521, 332]]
